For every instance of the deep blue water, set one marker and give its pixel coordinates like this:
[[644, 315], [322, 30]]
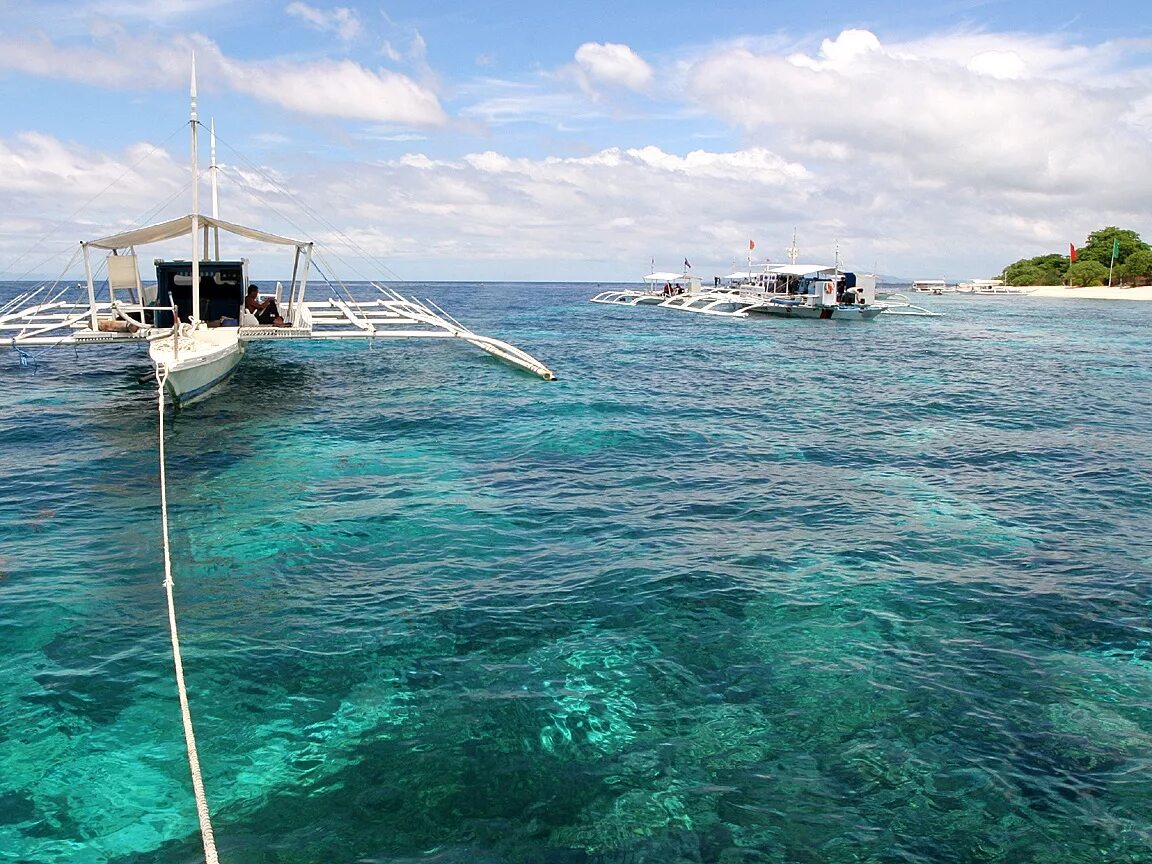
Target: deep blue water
[[728, 591]]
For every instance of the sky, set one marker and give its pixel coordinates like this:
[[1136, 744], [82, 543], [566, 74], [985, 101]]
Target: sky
[[589, 141]]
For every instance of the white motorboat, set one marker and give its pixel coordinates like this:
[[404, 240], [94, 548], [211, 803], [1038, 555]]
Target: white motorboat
[[931, 286], [815, 291], [194, 320], [989, 287], [790, 291]]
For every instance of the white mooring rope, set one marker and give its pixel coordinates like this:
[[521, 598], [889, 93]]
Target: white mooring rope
[[185, 714]]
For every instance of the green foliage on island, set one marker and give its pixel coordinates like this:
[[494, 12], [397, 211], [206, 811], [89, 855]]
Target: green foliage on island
[[1132, 265]]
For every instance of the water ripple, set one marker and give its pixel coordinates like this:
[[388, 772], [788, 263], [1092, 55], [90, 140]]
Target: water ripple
[[728, 591]]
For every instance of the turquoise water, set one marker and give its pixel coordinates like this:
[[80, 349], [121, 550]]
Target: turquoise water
[[728, 591]]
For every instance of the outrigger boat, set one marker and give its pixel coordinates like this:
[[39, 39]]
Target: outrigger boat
[[658, 287], [932, 286], [989, 287], [194, 320], [788, 291]]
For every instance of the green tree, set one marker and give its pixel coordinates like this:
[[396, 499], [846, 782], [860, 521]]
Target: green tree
[[1099, 245], [1041, 270], [1021, 273], [1137, 268], [1087, 273], [1054, 269]]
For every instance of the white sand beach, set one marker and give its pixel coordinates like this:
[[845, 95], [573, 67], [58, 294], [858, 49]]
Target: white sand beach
[[1098, 292]]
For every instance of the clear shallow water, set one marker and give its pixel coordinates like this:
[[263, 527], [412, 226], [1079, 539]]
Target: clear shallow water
[[729, 591]]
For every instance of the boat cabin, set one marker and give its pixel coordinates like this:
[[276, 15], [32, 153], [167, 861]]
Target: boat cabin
[[836, 288], [222, 288]]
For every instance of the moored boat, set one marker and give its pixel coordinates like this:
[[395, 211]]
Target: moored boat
[[931, 286], [989, 287], [816, 291], [194, 318], [658, 287]]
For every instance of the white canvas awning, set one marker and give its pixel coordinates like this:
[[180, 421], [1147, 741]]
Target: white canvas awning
[[183, 226], [801, 269], [666, 277]]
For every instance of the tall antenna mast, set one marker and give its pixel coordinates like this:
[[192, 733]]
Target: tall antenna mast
[[214, 169], [195, 314], [793, 251]]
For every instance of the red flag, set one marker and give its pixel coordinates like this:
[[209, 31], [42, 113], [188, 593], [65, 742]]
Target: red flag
[[751, 245], [1072, 253]]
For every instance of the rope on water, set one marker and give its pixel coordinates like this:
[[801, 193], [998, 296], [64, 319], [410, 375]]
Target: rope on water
[[185, 713], [27, 359]]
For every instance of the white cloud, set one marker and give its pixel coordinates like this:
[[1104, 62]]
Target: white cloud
[[614, 65], [330, 88], [155, 11], [39, 164], [341, 20], [998, 64], [56, 194], [339, 89], [936, 113], [123, 64], [619, 205]]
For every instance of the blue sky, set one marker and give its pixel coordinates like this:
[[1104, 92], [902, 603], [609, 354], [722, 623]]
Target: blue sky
[[510, 140]]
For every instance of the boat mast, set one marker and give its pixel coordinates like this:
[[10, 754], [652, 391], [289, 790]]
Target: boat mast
[[793, 251], [195, 314], [215, 201]]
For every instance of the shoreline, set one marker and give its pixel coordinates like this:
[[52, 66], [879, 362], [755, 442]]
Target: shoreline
[[1092, 292]]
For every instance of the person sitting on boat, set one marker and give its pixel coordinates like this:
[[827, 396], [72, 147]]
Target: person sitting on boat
[[266, 311]]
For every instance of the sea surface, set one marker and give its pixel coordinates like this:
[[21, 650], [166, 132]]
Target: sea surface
[[729, 591]]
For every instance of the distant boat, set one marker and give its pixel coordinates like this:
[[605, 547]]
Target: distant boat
[[194, 321], [787, 291], [931, 286], [989, 286], [657, 288]]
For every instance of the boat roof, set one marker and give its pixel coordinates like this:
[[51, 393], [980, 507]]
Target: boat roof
[[668, 277], [801, 269], [183, 226]]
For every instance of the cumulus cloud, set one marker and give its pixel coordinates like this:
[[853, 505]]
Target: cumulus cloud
[[330, 88], [56, 193], [571, 217], [929, 116], [494, 215], [1012, 143], [341, 20], [339, 89], [613, 65]]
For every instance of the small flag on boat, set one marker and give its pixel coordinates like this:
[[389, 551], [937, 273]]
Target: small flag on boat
[[1072, 252], [687, 266], [751, 245]]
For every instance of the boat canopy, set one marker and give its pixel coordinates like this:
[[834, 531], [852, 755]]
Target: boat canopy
[[183, 226], [801, 269], [667, 277]]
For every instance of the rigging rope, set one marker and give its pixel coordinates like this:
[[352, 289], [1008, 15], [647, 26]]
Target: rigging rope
[[185, 713]]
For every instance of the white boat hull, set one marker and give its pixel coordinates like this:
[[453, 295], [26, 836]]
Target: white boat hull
[[628, 298], [201, 361], [787, 309]]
